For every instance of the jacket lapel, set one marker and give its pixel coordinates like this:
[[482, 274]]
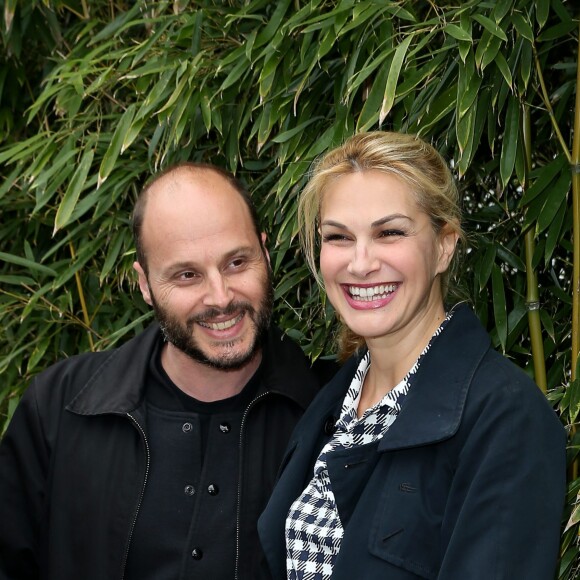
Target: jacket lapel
[[433, 408]]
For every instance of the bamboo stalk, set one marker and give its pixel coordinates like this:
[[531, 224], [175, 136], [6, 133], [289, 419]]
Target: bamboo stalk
[[575, 167], [532, 290], [86, 317]]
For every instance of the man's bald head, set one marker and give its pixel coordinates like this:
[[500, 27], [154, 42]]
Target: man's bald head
[[173, 174]]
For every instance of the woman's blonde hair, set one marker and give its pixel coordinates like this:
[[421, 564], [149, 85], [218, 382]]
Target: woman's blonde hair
[[406, 157]]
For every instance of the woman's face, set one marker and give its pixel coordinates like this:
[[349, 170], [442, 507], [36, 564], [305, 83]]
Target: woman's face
[[380, 257]]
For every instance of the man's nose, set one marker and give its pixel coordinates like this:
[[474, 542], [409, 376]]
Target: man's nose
[[218, 293]]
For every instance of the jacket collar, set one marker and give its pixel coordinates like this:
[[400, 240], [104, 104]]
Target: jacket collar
[[118, 384], [433, 408]]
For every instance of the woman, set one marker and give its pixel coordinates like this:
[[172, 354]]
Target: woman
[[429, 455]]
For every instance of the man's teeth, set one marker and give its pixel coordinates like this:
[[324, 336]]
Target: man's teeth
[[372, 292], [222, 325]]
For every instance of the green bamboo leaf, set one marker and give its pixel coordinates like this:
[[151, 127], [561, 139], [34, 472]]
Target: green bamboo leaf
[[274, 22], [464, 49], [490, 26], [542, 12], [327, 43], [511, 259], [504, 69], [393, 77], [197, 32], [490, 54], [442, 105], [510, 140], [559, 31], [485, 265], [464, 128], [25, 263], [555, 198], [73, 191], [554, 234], [287, 135], [370, 111], [458, 33], [116, 25], [499, 305], [474, 139], [9, 11], [38, 353], [23, 149], [205, 104], [242, 66], [541, 178], [575, 515], [133, 132], [501, 8], [467, 88], [264, 122], [523, 26], [110, 157]]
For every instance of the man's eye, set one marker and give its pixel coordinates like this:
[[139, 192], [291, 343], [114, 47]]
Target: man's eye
[[237, 262], [188, 275]]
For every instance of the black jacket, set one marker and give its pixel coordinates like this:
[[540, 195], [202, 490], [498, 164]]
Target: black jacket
[[74, 461], [467, 484]]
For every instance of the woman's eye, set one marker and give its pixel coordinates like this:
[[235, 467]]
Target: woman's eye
[[334, 238], [391, 233]]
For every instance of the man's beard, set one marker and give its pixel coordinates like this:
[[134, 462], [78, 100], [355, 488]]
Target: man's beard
[[182, 335]]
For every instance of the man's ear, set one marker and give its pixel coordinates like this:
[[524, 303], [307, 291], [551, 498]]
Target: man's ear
[[267, 254], [448, 238], [143, 283]]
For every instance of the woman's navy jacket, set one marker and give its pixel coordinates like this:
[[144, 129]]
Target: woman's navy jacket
[[467, 484]]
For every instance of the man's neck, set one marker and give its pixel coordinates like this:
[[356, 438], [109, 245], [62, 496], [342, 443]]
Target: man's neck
[[203, 382]]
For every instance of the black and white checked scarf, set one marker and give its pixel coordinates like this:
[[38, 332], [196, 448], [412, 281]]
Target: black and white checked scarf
[[313, 528]]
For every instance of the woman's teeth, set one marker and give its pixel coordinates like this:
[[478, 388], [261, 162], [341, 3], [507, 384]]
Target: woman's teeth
[[371, 292]]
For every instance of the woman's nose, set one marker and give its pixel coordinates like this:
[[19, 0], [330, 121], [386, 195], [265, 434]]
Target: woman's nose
[[363, 262]]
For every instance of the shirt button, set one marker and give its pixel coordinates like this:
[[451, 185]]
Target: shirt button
[[225, 427], [197, 554], [213, 489], [186, 427], [189, 490]]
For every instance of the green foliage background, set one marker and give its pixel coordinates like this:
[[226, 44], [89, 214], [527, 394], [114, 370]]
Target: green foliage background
[[96, 95]]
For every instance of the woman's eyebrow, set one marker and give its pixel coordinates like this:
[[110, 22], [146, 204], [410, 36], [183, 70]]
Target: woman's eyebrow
[[390, 218]]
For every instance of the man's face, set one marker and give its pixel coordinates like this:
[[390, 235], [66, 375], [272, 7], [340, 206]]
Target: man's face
[[208, 276]]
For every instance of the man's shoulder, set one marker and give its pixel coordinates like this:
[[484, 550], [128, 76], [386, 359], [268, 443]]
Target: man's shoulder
[[71, 374]]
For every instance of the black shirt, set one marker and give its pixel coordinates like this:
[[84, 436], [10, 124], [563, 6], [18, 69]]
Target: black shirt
[[186, 522]]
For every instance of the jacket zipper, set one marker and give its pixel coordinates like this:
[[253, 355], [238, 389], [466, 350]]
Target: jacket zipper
[[240, 472], [132, 528]]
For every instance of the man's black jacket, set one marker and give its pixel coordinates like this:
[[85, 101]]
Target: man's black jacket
[[73, 462]]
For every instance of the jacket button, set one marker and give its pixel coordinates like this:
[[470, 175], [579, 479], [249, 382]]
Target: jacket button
[[213, 489], [225, 427], [197, 554], [330, 426], [186, 427], [189, 490]]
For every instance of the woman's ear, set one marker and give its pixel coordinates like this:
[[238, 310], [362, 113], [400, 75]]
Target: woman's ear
[[448, 237]]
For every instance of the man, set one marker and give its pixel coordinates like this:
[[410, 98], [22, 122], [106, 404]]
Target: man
[[154, 460]]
